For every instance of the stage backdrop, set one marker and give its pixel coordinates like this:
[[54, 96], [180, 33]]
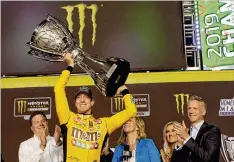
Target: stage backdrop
[[160, 98], [217, 30], [147, 34]]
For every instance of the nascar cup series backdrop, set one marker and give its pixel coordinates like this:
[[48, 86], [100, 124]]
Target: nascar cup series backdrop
[[148, 34]]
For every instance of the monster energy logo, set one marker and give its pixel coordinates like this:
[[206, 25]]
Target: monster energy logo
[[119, 103], [81, 11], [21, 106], [142, 102], [24, 107], [181, 100]]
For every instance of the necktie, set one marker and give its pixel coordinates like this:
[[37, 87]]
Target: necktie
[[192, 133]]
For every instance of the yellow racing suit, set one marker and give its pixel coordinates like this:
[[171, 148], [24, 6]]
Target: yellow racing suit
[[84, 135]]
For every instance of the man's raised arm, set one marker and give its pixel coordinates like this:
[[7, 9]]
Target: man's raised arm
[[120, 118], [62, 107]]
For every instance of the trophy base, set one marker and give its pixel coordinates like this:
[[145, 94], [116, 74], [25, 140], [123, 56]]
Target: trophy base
[[118, 77]]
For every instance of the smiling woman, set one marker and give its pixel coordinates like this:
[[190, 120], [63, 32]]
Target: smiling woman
[[133, 144], [170, 138]]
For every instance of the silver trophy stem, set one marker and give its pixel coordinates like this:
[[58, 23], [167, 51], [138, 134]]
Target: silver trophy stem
[[96, 58], [80, 54], [99, 82]]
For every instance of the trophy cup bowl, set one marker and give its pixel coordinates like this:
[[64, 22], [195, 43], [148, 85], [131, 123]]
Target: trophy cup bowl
[[227, 148], [52, 39]]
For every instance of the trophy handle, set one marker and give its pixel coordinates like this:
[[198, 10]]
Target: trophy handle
[[95, 58], [40, 49], [43, 54]]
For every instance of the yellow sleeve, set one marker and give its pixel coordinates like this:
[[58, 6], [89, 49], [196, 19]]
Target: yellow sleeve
[[61, 103], [120, 118]]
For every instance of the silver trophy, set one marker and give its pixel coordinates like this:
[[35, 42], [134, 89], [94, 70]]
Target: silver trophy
[[51, 39], [227, 148]]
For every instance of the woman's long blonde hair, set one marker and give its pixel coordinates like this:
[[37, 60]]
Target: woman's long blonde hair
[[166, 146], [141, 131]]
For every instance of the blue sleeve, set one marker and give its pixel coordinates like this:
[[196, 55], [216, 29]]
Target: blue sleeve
[[154, 155], [116, 156]]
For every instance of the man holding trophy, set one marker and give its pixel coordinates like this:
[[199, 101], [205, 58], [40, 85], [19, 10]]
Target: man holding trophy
[[84, 135]]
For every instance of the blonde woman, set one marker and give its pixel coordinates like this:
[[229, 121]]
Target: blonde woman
[[142, 149], [170, 138]]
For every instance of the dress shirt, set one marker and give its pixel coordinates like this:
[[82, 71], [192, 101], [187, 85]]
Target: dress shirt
[[194, 131], [30, 151], [133, 158]]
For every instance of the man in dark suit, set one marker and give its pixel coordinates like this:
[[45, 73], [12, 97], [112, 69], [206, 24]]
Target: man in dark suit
[[202, 142], [107, 153], [2, 158]]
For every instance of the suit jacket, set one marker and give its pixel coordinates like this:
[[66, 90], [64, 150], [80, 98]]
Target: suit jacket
[[146, 151], [2, 158], [206, 147], [108, 157]]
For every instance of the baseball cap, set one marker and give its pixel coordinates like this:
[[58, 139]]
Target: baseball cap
[[85, 90]]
